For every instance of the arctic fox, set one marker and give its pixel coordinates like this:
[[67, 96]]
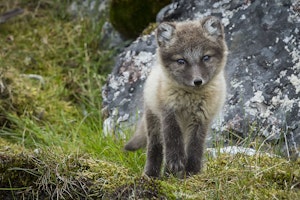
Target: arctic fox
[[183, 93]]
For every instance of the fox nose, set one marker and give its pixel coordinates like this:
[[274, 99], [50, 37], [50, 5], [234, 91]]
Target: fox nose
[[198, 82]]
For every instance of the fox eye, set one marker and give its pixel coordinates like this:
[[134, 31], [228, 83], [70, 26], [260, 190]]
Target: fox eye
[[181, 61], [206, 58]]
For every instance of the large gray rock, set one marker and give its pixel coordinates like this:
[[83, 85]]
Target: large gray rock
[[263, 69]]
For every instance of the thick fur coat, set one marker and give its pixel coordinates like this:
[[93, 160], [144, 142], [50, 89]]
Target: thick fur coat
[[183, 93]]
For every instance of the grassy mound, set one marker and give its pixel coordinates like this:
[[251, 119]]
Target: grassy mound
[[51, 173]]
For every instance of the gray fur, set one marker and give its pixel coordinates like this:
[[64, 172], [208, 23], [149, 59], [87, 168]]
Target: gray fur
[[213, 26], [155, 146], [164, 34], [139, 140], [182, 95]]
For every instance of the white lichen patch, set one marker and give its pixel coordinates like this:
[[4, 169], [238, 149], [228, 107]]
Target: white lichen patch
[[112, 126], [288, 39], [258, 97], [233, 150], [283, 101], [251, 110], [255, 106], [295, 82], [126, 76], [236, 83], [272, 132], [123, 118], [108, 126], [295, 53], [220, 3], [143, 58], [225, 21], [116, 94], [141, 63], [276, 101], [115, 82], [282, 73], [287, 103], [294, 16]]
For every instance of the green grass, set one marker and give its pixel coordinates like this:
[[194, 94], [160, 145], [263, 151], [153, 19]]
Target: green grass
[[51, 139]]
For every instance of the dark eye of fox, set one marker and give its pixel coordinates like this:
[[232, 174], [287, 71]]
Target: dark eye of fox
[[181, 61], [206, 58]]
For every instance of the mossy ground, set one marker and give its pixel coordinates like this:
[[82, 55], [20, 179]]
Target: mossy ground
[[51, 141]]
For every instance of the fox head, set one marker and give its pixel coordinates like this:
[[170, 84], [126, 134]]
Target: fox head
[[193, 52]]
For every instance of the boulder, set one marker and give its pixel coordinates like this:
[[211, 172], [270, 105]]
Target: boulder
[[263, 70]]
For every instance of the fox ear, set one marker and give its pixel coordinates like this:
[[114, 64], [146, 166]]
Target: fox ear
[[164, 34], [213, 27]]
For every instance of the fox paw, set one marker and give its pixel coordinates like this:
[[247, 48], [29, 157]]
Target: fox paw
[[175, 166]]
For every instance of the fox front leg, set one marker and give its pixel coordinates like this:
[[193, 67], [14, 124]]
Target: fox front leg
[[173, 143], [195, 147], [154, 145]]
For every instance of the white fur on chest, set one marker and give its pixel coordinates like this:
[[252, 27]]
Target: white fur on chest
[[192, 104]]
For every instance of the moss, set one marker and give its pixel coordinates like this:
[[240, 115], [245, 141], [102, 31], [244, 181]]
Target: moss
[[144, 188], [106, 175], [131, 17], [246, 177], [17, 170], [56, 175], [150, 28]]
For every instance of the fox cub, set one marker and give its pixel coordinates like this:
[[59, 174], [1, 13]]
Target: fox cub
[[183, 93]]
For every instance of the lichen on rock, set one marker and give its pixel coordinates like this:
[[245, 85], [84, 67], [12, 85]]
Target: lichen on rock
[[262, 69]]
